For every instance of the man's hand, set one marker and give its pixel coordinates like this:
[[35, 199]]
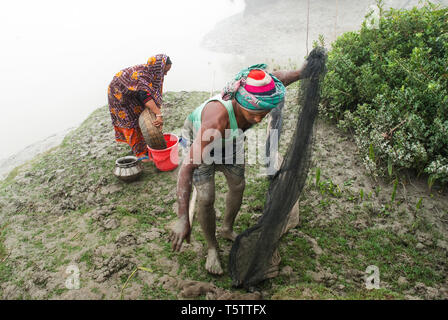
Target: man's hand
[[314, 65], [181, 231]]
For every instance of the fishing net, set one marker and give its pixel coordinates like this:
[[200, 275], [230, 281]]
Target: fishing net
[[254, 256]]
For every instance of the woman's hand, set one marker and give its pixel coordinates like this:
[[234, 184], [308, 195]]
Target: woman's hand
[[158, 122]]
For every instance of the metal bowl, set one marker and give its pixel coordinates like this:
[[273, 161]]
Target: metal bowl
[[128, 168]]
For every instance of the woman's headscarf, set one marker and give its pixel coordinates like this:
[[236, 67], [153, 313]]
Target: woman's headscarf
[[146, 77], [153, 76], [252, 101]]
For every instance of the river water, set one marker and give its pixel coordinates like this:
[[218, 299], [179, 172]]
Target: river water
[[57, 58]]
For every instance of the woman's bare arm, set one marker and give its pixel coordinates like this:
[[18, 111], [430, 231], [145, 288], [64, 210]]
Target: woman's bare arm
[[151, 105]]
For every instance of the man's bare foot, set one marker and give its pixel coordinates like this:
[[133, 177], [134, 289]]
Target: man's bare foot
[[228, 234], [212, 264]]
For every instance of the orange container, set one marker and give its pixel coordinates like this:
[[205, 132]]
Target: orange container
[[166, 159]]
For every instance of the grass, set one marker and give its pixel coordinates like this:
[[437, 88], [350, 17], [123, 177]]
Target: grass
[[347, 247], [57, 292], [5, 272], [371, 246], [297, 253], [95, 290], [3, 251], [331, 209], [87, 258], [156, 293], [311, 291], [12, 175]]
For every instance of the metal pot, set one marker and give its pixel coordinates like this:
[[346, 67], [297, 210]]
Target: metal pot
[[128, 168]]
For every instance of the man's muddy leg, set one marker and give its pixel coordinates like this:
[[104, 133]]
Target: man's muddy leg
[[234, 199], [207, 220]]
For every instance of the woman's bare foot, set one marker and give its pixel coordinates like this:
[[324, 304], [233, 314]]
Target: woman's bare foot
[[212, 264]]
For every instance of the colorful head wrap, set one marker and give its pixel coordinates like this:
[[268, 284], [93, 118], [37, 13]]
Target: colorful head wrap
[[154, 75], [144, 77], [255, 89]]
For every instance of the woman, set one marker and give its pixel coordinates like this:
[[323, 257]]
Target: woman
[[131, 90]]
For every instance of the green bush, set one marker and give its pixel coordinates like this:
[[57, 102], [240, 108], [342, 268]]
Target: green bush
[[389, 86]]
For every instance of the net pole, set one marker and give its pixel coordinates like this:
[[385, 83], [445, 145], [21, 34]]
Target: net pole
[[335, 21], [307, 25]]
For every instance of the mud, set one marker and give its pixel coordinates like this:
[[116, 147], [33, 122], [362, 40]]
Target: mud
[[54, 214]]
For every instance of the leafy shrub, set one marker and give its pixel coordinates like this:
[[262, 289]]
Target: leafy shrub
[[389, 86]]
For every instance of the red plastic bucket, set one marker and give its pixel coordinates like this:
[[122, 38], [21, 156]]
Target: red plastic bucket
[[166, 159]]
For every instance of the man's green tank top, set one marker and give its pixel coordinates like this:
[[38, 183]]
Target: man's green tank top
[[195, 116]]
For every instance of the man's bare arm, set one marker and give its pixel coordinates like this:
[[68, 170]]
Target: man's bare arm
[[288, 77], [213, 119], [185, 180], [182, 229]]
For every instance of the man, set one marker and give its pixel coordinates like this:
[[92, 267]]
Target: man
[[244, 102]]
